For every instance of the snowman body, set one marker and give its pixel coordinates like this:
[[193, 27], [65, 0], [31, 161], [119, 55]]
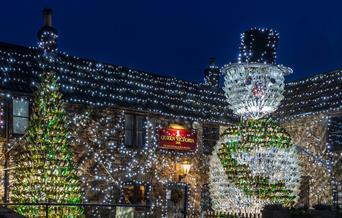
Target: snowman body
[[253, 164]]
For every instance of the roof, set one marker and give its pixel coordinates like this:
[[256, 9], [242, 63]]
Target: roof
[[98, 84], [93, 83], [319, 93]]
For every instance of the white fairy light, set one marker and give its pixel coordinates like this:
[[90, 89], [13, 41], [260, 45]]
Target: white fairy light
[[254, 90], [254, 163], [88, 82]]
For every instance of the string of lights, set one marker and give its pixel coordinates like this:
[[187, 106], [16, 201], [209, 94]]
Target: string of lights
[[254, 162], [43, 169], [260, 167], [316, 156], [88, 82], [106, 164]]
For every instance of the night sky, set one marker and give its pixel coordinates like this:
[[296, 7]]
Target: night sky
[[176, 38]]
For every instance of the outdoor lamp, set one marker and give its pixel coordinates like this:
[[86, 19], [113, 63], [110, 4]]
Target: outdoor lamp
[[185, 167]]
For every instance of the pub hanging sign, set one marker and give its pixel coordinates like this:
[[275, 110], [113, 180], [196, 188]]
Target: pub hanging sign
[[177, 139]]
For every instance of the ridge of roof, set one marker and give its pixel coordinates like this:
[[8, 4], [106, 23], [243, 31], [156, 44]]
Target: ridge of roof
[[22, 48], [12, 46], [307, 78], [301, 96]]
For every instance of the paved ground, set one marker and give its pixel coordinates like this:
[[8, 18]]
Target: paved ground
[[7, 213]]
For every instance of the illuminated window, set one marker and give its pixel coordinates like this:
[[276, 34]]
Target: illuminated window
[[134, 193], [134, 130], [20, 116]]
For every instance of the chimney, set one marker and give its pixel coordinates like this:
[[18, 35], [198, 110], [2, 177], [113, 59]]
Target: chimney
[[212, 74], [47, 14], [212, 61], [47, 35]]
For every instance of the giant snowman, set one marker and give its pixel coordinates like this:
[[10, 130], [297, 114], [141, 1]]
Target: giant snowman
[[254, 163]]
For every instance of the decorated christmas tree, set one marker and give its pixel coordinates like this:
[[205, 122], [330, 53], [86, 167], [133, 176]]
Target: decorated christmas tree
[[44, 169]]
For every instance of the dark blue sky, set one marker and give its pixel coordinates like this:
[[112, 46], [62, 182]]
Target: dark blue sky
[[176, 38]]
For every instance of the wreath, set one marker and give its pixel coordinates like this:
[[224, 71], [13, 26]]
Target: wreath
[[176, 195]]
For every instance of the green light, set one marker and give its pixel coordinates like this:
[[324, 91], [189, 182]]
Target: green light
[[45, 170]]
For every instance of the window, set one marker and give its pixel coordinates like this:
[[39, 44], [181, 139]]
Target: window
[[210, 137], [2, 119], [20, 116], [335, 133], [135, 193], [134, 130], [338, 197]]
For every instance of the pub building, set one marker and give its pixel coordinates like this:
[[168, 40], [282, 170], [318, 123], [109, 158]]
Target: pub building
[[142, 138]]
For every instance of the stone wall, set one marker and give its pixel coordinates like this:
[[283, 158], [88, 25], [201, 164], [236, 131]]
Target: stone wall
[[309, 134], [105, 164], [2, 172]]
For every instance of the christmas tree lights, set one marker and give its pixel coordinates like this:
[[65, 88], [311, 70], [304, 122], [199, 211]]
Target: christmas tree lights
[[44, 169]]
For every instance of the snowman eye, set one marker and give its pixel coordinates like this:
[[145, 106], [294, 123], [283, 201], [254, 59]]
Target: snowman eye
[[272, 80]]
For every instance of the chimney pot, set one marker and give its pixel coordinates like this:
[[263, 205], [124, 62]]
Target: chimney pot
[[212, 61], [47, 13]]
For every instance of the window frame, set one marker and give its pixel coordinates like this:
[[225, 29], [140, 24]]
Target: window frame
[[147, 191], [338, 200], [13, 116], [135, 130], [4, 106], [209, 140]]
